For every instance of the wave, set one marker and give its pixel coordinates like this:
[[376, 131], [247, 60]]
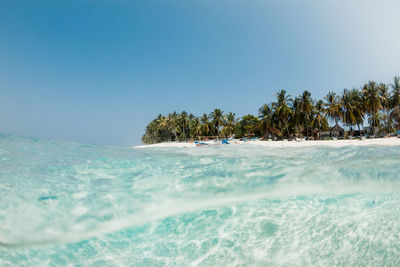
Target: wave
[[165, 208], [74, 192]]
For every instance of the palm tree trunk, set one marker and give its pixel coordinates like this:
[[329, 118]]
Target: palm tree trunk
[[287, 130]]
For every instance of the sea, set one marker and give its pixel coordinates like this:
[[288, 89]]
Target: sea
[[75, 204]]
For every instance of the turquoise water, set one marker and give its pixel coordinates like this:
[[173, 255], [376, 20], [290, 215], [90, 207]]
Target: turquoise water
[[66, 203]]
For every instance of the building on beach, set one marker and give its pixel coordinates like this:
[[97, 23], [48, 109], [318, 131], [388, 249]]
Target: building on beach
[[335, 131]]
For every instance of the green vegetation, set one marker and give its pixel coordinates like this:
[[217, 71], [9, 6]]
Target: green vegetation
[[377, 104]]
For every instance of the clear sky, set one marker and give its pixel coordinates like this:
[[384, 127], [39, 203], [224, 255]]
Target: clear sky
[[99, 71]]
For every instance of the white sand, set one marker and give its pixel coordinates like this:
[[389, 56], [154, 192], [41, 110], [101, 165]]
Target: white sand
[[390, 141]]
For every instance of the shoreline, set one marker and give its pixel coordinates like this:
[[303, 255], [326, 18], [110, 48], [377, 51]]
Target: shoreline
[[388, 141]]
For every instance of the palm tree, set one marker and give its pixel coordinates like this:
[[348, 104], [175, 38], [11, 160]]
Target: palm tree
[[249, 124], [297, 118], [348, 107], [172, 122], [375, 119], [217, 120], [359, 107], [195, 127], [373, 103], [229, 124], [287, 116], [333, 107], [183, 123], [395, 100], [319, 121], [157, 131], [162, 123], [151, 132], [396, 91], [282, 110], [384, 93], [306, 107], [205, 126], [265, 113]]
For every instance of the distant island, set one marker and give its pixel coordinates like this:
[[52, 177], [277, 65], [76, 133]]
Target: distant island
[[289, 118]]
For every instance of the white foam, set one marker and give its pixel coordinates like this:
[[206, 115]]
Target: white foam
[[79, 195], [169, 144]]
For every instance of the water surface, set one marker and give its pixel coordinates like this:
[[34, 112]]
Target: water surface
[[67, 203]]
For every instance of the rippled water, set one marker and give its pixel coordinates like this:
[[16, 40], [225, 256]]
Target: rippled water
[[67, 203]]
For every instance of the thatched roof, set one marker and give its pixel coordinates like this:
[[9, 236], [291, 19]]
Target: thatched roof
[[336, 128]]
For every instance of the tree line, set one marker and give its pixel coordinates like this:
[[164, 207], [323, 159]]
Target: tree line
[[375, 103]]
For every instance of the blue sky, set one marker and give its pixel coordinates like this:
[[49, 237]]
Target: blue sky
[[99, 71]]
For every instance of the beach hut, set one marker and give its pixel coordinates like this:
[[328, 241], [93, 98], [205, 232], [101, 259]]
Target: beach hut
[[324, 134], [336, 131]]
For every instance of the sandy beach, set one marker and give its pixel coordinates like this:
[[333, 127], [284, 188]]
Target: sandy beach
[[390, 141]]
